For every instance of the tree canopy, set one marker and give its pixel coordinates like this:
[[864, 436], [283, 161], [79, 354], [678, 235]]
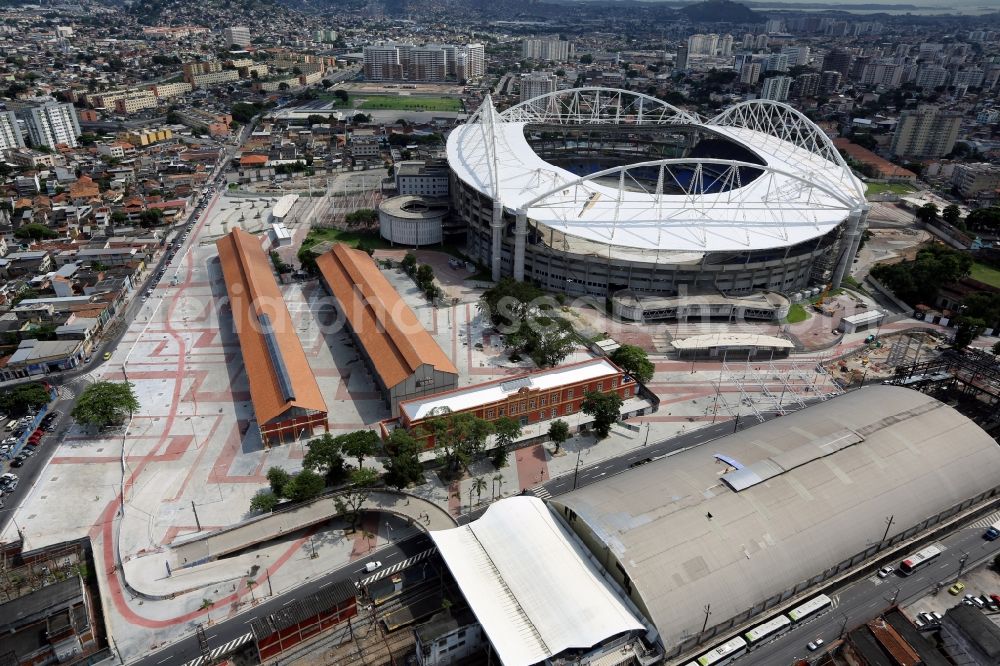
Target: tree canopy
[[35, 231], [403, 465], [325, 455], [605, 408], [634, 361], [105, 403], [18, 400], [558, 432], [919, 281]]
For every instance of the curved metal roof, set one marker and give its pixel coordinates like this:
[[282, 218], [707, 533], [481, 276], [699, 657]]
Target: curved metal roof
[[804, 189], [689, 535]]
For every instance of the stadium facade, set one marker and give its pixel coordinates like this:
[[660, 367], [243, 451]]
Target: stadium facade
[[601, 191]]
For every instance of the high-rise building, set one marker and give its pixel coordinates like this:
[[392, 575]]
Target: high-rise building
[[326, 36], [429, 62], [51, 124], [776, 88], [806, 85], [726, 45], [474, 65], [926, 132], [750, 72], [971, 77], [553, 50], [238, 35], [837, 60], [829, 82], [797, 55], [776, 62], [932, 76], [748, 40], [775, 25], [10, 133], [536, 84], [382, 63], [884, 73], [761, 42], [681, 61], [703, 44]]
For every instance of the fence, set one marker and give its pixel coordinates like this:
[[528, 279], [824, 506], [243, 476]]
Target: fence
[[35, 421]]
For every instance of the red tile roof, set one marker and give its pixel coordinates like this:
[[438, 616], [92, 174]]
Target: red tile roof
[[393, 337], [253, 292]]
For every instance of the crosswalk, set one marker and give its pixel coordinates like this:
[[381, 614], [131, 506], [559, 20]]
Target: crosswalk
[[221, 651], [986, 521], [399, 566], [541, 492]]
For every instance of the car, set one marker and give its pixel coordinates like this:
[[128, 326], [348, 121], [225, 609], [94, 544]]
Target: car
[[38, 432], [919, 624], [815, 645], [995, 598], [974, 600], [372, 566], [18, 460], [11, 487], [957, 588], [107, 356], [885, 571]]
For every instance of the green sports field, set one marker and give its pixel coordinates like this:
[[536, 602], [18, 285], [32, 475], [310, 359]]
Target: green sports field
[[408, 103]]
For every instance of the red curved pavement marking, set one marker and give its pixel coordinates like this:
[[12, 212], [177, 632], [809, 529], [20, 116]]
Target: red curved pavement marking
[[532, 467]]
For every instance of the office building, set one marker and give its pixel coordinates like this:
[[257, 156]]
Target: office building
[[51, 124], [238, 35], [837, 60], [536, 84], [776, 88], [681, 61], [10, 132], [554, 50], [926, 132]]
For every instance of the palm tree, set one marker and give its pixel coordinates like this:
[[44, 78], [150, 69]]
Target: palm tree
[[206, 605], [480, 486]]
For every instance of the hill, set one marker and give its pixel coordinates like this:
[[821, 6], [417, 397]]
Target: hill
[[721, 11]]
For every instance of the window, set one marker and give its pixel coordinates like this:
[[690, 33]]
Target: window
[[524, 420], [531, 404], [569, 408], [489, 413], [543, 400], [544, 414], [628, 393], [600, 386], [555, 398], [569, 393], [524, 406], [614, 382], [501, 411]]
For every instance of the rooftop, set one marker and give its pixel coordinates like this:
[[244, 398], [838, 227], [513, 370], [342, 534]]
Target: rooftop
[[485, 394], [731, 340], [682, 531], [281, 380], [393, 337]]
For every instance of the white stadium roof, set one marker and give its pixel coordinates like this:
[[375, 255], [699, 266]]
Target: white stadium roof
[[804, 191], [530, 584]]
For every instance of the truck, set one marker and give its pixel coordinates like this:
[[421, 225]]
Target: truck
[[992, 532]]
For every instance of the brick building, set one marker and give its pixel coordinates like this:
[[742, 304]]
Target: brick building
[[529, 398]]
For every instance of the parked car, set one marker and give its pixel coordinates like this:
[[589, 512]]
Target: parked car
[[885, 571], [107, 355], [973, 600], [957, 588], [815, 645]]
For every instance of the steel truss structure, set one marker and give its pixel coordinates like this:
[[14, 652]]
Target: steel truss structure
[[592, 106], [769, 387]]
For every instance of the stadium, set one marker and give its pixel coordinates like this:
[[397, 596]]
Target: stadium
[[601, 191]]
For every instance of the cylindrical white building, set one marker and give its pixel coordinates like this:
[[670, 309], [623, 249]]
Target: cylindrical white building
[[412, 220]]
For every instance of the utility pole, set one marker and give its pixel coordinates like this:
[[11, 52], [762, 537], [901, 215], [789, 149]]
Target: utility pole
[[196, 521], [646, 443], [576, 470], [888, 524], [708, 611], [843, 627], [961, 563]]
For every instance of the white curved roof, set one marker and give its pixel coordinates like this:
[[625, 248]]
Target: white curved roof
[[531, 584], [804, 192]]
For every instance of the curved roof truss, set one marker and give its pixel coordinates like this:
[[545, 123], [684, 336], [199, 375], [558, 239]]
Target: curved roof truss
[[593, 105], [787, 124]]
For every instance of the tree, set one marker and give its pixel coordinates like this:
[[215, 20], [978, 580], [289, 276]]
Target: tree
[[951, 213], [409, 263], [927, 213], [479, 485], [349, 503], [967, 330], [35, 231], [324, 455], [278, 478], [458, 437], [359, 444], [264, 501], [305, 485], [403, 464], [106, 403], [634, 361], [506, 430], [586, 59], [558, 433], [19, 399], [315, 119], [605, 408], [996, 348], [151, 217], [341, 95]]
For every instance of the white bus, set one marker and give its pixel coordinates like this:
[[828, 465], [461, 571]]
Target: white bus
[[766, 630], [918, 559], [723, 654], [809, 608]]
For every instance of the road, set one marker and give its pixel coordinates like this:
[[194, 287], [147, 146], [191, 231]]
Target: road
[[221, 633], [860, 601]]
